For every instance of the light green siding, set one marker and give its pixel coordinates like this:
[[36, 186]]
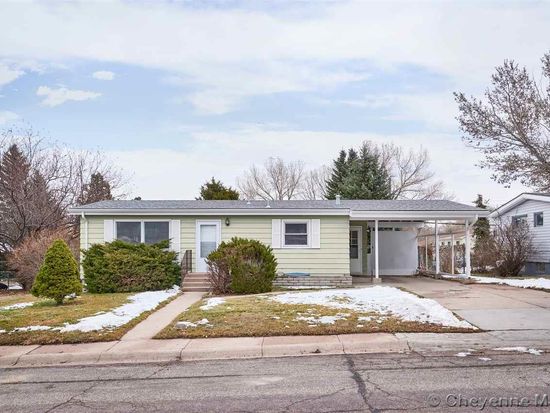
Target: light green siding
[[332, 258]]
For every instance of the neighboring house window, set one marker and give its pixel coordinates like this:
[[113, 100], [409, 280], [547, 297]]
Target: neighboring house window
[[540, 267], [519, 219], [296, 234], [538, 219], [147, 232]]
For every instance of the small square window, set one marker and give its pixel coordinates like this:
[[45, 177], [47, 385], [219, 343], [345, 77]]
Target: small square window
[[296, 234], [519, 219], [538, 219], [156, 232]]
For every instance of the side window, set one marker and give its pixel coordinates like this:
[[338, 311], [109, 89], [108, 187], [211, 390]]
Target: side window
[[519, 219], [538, 220], [296, 234]]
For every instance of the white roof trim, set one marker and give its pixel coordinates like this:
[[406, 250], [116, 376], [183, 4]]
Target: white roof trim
[[211, 211], [521, 198], [357, 215]]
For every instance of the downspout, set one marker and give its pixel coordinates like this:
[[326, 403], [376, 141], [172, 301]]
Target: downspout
[[83, 217]]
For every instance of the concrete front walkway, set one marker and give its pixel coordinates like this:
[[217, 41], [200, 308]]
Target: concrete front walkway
[[154, 324]]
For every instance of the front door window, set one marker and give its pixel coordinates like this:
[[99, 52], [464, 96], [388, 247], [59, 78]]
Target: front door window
[[208, 234]]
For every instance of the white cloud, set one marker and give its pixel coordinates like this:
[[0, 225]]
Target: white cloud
[[103, 75], [6, 116], [56, 97], [8, 74], [235, 151], [200, 44]]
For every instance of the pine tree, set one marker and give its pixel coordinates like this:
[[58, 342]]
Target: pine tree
[[97, 190], [58, 276], [359, 175], [338, 174], [216, 190], [482, 228]]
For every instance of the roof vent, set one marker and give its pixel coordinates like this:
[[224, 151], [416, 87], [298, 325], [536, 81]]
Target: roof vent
[[268, 206], [248, 202], [338, 200]]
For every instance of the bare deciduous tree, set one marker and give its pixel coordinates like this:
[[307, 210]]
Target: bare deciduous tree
[[39, 180], [275, 180], [314, 185], [513, 247], [512, 126]]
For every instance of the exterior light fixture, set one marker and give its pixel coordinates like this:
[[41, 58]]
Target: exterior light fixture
[[227, 222]]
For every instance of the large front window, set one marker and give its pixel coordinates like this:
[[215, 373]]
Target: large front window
[[296, 234], [148, 232]]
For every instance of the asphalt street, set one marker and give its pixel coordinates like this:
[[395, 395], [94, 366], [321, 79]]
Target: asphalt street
[[390, 382]]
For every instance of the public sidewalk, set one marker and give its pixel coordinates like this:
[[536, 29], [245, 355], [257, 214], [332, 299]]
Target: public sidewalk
[[148, 350]]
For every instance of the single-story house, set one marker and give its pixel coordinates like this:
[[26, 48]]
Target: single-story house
[[329, 240], [532, 208]]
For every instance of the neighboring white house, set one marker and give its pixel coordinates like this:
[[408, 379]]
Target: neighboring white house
[[534, 209]]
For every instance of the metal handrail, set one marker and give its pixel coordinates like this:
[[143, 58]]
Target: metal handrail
[[186, 263]]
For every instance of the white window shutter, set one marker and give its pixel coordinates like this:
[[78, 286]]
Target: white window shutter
[[108, 230], [175, 236], [275, 233], [315, 233]]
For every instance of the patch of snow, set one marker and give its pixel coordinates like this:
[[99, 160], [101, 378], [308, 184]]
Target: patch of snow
[[484, 358], [2, 331], [15, 287], [540, 283], [16, 306], [454, 277], [189, 324], [139, 303], [212, 302], [463, 354], [520, 349], [276, 317], [360, 325], [325, 319], [30, 328], [380, 299]]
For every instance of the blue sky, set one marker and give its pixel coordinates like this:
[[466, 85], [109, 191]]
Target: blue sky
[[177, 92]]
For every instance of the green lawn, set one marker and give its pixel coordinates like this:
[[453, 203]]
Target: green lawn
[[257, 316], [46, 313]]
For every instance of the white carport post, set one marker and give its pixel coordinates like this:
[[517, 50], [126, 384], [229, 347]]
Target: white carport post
[[452, 253], [467, 249], [437, 269], [376, 258]]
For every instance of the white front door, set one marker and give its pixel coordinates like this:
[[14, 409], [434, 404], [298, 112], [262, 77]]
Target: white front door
[[356, 250], [208, 237]]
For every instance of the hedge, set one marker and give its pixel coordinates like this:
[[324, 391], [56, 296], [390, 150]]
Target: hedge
[[123, 267]]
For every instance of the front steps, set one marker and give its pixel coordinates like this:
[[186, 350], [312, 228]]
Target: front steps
[[195, 281]]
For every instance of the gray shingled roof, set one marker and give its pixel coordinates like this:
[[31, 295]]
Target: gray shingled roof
[[356, 205]]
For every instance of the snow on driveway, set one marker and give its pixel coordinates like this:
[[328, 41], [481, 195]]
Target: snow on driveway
[[380, 299], [541, 283], [16, 306]]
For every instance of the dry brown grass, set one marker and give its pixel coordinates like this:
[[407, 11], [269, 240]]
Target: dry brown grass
[[258, 316], [46, 313]]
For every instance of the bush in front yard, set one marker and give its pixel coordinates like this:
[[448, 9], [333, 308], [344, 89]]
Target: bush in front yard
[[513, 246], [242, 266], [27, 257], [58, 276], [122, 267]]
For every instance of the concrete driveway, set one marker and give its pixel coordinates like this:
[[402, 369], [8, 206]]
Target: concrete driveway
[[489, 307]]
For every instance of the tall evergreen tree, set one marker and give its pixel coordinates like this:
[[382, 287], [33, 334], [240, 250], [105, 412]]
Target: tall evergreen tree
[[97, 190], [482, 228], [216, 190], [359, 175]]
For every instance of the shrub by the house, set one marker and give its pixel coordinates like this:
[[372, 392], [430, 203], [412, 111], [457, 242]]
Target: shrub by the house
[[122, 267], [242, 266], [27, 257], [58, 276]]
